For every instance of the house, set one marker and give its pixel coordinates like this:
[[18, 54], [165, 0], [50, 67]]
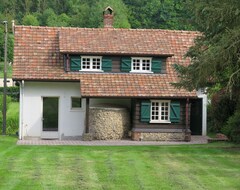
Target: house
[[64, 71]]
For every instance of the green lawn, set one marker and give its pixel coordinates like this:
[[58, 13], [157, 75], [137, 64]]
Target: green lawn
[[213, 166]]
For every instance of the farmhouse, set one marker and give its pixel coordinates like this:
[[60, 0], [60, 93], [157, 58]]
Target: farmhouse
[[98, 82]]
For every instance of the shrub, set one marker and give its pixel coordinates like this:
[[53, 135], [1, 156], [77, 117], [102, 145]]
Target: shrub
[[12, 91], [222, 107], [232, 127]]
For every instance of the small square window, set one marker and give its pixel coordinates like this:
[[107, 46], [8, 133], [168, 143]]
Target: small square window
[[76, 102]]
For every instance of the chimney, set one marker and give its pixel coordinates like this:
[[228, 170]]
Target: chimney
[[108, 17]]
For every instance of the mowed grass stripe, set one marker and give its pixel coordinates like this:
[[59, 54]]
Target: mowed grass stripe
[[214, 166]]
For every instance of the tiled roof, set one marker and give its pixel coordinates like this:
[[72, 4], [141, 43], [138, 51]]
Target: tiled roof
[[126, 85], [114, 41], [37, 54]]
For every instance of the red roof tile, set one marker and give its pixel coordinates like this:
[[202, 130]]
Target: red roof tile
[[114, 41], [129, 85], [37, 56]]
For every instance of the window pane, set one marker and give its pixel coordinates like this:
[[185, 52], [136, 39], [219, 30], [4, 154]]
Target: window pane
[[76, 102], [91, 63], [160, 111]]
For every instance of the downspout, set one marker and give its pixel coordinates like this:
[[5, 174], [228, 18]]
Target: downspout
[[21, 110]]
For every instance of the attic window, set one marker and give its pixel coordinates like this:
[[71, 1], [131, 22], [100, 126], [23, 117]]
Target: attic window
[[141, 64], [92, 63]]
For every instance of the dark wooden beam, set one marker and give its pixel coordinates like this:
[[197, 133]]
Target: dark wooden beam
[[87, 115]]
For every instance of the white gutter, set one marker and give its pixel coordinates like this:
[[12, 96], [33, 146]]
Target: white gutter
[[21, 109]]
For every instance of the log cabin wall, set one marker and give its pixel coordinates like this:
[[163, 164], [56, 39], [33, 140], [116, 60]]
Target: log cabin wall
[[136, 121]]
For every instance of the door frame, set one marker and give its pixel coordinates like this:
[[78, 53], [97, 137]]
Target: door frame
[[50, 134]]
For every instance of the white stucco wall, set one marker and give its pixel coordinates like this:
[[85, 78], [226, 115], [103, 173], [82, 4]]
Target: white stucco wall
[[71, 123]]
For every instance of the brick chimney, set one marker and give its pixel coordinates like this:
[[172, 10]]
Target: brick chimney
[[108, 17]]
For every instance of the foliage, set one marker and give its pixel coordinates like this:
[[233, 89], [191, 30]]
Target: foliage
[[222, 107], [87, 13], [165, 14], [30, 20], [8, 100], [12, 115], [12, 92], [10, 44], [12, 118], [232, 127], [215, 55]]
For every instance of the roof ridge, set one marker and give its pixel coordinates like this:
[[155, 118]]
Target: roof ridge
[[107, 29]]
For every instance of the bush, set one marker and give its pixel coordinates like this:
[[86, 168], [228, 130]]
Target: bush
[[222, 107], [12, 91], [232, 127]]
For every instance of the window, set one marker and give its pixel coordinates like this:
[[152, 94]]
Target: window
[[141, 64], [160, 111], [91, 63], [76, 102]]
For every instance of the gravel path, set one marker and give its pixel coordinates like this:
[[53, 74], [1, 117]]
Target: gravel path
[[194, 140]]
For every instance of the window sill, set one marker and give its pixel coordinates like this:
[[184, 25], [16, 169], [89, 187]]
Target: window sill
[[147, 72], [86, 70], [160, 121], [76, 110]]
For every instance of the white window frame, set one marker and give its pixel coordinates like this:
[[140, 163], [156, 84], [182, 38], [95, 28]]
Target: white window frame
[[141, 65], [91, 63], [159, 111]]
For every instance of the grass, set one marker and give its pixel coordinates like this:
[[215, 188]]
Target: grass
[[213, 166], [12, 117], [9, 70]]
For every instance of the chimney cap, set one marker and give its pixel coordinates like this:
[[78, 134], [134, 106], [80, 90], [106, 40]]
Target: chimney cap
[[108, 10]]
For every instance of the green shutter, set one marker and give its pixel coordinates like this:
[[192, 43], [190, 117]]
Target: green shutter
[[75, 63], [126, 64], [175, 112], [145, 111], [106, 64], [156, 65]]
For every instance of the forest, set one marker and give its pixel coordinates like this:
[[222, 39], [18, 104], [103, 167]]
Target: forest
[[169, 14]]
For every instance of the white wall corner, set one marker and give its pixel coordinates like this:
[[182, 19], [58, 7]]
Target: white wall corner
[[201, 93]]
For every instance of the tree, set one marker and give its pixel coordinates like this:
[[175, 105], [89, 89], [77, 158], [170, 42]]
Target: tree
[[215, 61], [165, 14], [215, 57], [30, 20]]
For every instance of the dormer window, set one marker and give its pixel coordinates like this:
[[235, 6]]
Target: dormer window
[[78, 63], [92, 63], [141, 64]]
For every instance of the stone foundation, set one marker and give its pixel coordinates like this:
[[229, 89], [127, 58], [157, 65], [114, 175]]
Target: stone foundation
[[139, 136], [109, 123]]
